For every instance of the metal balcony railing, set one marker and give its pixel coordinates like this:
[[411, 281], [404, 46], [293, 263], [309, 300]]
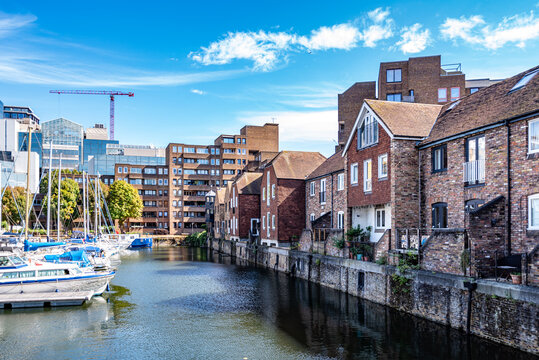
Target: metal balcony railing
[[474, 172]]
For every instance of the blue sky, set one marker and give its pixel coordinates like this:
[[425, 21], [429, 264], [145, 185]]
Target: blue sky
[[199, 69]]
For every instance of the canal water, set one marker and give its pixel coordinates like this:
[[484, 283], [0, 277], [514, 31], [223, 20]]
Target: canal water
[[180, 303]]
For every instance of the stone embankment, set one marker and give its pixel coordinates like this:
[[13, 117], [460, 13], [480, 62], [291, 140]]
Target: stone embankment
[[502, 312]]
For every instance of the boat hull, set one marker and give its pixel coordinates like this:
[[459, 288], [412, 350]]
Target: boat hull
[[142, 243], [96, 283]]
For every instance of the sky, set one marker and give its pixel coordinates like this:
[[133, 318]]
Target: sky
[[201, 69]]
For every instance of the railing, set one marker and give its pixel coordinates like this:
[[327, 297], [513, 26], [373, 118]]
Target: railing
[[474, 172], [409, 238]]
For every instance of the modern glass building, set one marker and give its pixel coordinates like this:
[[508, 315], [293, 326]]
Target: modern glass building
[[92, 148], [66, 137], [125, 154]]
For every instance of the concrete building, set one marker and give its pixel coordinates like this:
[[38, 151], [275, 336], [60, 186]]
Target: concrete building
[[282, 200], [193, 170]]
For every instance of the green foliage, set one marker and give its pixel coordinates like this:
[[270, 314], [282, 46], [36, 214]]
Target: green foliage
[[196, 239], [338, 243], [464, 260], [317, 262], [124, 201], [382, 260], [408, 261], [400, 284], [4, 224], [9, 205], [358, 233], [69, 194]]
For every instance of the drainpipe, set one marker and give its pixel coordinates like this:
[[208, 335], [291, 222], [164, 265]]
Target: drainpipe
[[470, 286], [508, 217], [419, 207], [332, 223]]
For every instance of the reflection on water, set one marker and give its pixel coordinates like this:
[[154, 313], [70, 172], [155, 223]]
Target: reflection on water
[[192, 304]]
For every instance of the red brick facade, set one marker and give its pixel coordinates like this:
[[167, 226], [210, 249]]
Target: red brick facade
[[335, 199]]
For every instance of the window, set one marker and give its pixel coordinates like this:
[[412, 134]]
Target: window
[[160, 171], [442, 95], [244, 141], [382, 166], [312, 217], [273, 191], [312, 188], [393, 75], [202, 151], [228, 140], [533, 136], [473, 90], [263, 194], [533, 212], [367, 175], [394, 97], [228, 172], [263, 222], [525, 79], [150, 171], [353, 174], [367, 132], [340, 220], [340, 182], [174, 149], [439, 215], [125, 169], [474, 168], [189, 149], [323, 191], [439, 158], [455, 93], [273, 221], [380, 218]]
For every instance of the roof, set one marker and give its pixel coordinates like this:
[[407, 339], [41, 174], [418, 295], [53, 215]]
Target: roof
[[333, 164], [296, 164], [406, 119], [488, 106], [220, 197], [249, 183]]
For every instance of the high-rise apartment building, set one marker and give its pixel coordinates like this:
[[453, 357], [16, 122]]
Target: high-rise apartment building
[[174, 194]]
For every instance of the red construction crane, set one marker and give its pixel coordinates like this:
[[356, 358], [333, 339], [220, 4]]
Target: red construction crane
[[98, 92]]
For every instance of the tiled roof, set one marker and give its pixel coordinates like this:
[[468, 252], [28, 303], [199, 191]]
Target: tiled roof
[[487, 106], [333, 164], [296, 164], [220, 197], [249, 183], [406, 119]]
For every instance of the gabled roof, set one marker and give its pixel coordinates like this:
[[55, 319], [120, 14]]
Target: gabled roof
[[296, 164], [220, 196], [488, 106], [249, 183], [333, 164], [399, 119]]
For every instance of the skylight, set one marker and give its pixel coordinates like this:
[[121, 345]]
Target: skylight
[[525, 79]]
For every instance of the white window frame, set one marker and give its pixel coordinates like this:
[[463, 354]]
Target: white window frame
[[380, 162], [531, 198], [312, 188], [536, 124], [263, 194], [340, 182], [440, 99], [367, 183], [312, 217], [354, 174], [451, 93], [268, 189], [273, 191], [323, 190], [273, 222], [376, 219], [268, 224], [263, 222], [340, 220]]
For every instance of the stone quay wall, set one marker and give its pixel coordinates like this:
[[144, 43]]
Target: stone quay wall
[[501, 312]]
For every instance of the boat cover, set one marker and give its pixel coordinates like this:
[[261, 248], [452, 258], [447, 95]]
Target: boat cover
[[30, 246]]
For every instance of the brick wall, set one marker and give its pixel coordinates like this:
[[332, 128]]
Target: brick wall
[[442, 252], [249, 208], [335, 199], [291, 211], [349, 104], [380, 187]]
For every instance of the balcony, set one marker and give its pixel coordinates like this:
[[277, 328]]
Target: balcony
[[474, 172]]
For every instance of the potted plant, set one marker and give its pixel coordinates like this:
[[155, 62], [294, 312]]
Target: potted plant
[[354, 252], [516, 277]]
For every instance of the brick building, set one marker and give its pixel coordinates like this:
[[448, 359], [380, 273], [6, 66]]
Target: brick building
[[381, 165], [245, 206], [219, 211], [192, 170], [480, 171], [325, 195], [349, 104], [421, 80], [282, 200]]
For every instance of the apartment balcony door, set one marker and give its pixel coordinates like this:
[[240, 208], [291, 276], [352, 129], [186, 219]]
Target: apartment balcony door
[[474, 167]]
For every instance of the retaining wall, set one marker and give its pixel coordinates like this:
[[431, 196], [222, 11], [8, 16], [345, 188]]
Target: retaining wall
[[504, 313]]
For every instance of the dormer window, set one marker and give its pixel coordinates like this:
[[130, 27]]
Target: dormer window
[[367, 133], [525, 79]]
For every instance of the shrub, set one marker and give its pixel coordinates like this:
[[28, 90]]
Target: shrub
[[338, 243], [196, 239]]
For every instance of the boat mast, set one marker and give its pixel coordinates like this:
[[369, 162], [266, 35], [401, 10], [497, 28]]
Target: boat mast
[[49, 194], [84, 203], [96, 204], [28, 183], [59, 182], [1, 197]]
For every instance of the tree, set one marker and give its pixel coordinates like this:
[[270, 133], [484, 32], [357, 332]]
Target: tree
[[124, 201], [10, 205], [69, 194]]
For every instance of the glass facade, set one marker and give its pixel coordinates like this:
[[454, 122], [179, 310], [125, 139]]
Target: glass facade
[[66, 137], [104, 164], [92, 148]]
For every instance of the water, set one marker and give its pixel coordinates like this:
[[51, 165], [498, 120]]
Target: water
[[178, 303]]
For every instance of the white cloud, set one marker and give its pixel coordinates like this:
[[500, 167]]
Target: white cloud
[[413, 39], [11, 23], [267, 49], [198, 92], [309, 130], [382, 27], [517, 29]]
